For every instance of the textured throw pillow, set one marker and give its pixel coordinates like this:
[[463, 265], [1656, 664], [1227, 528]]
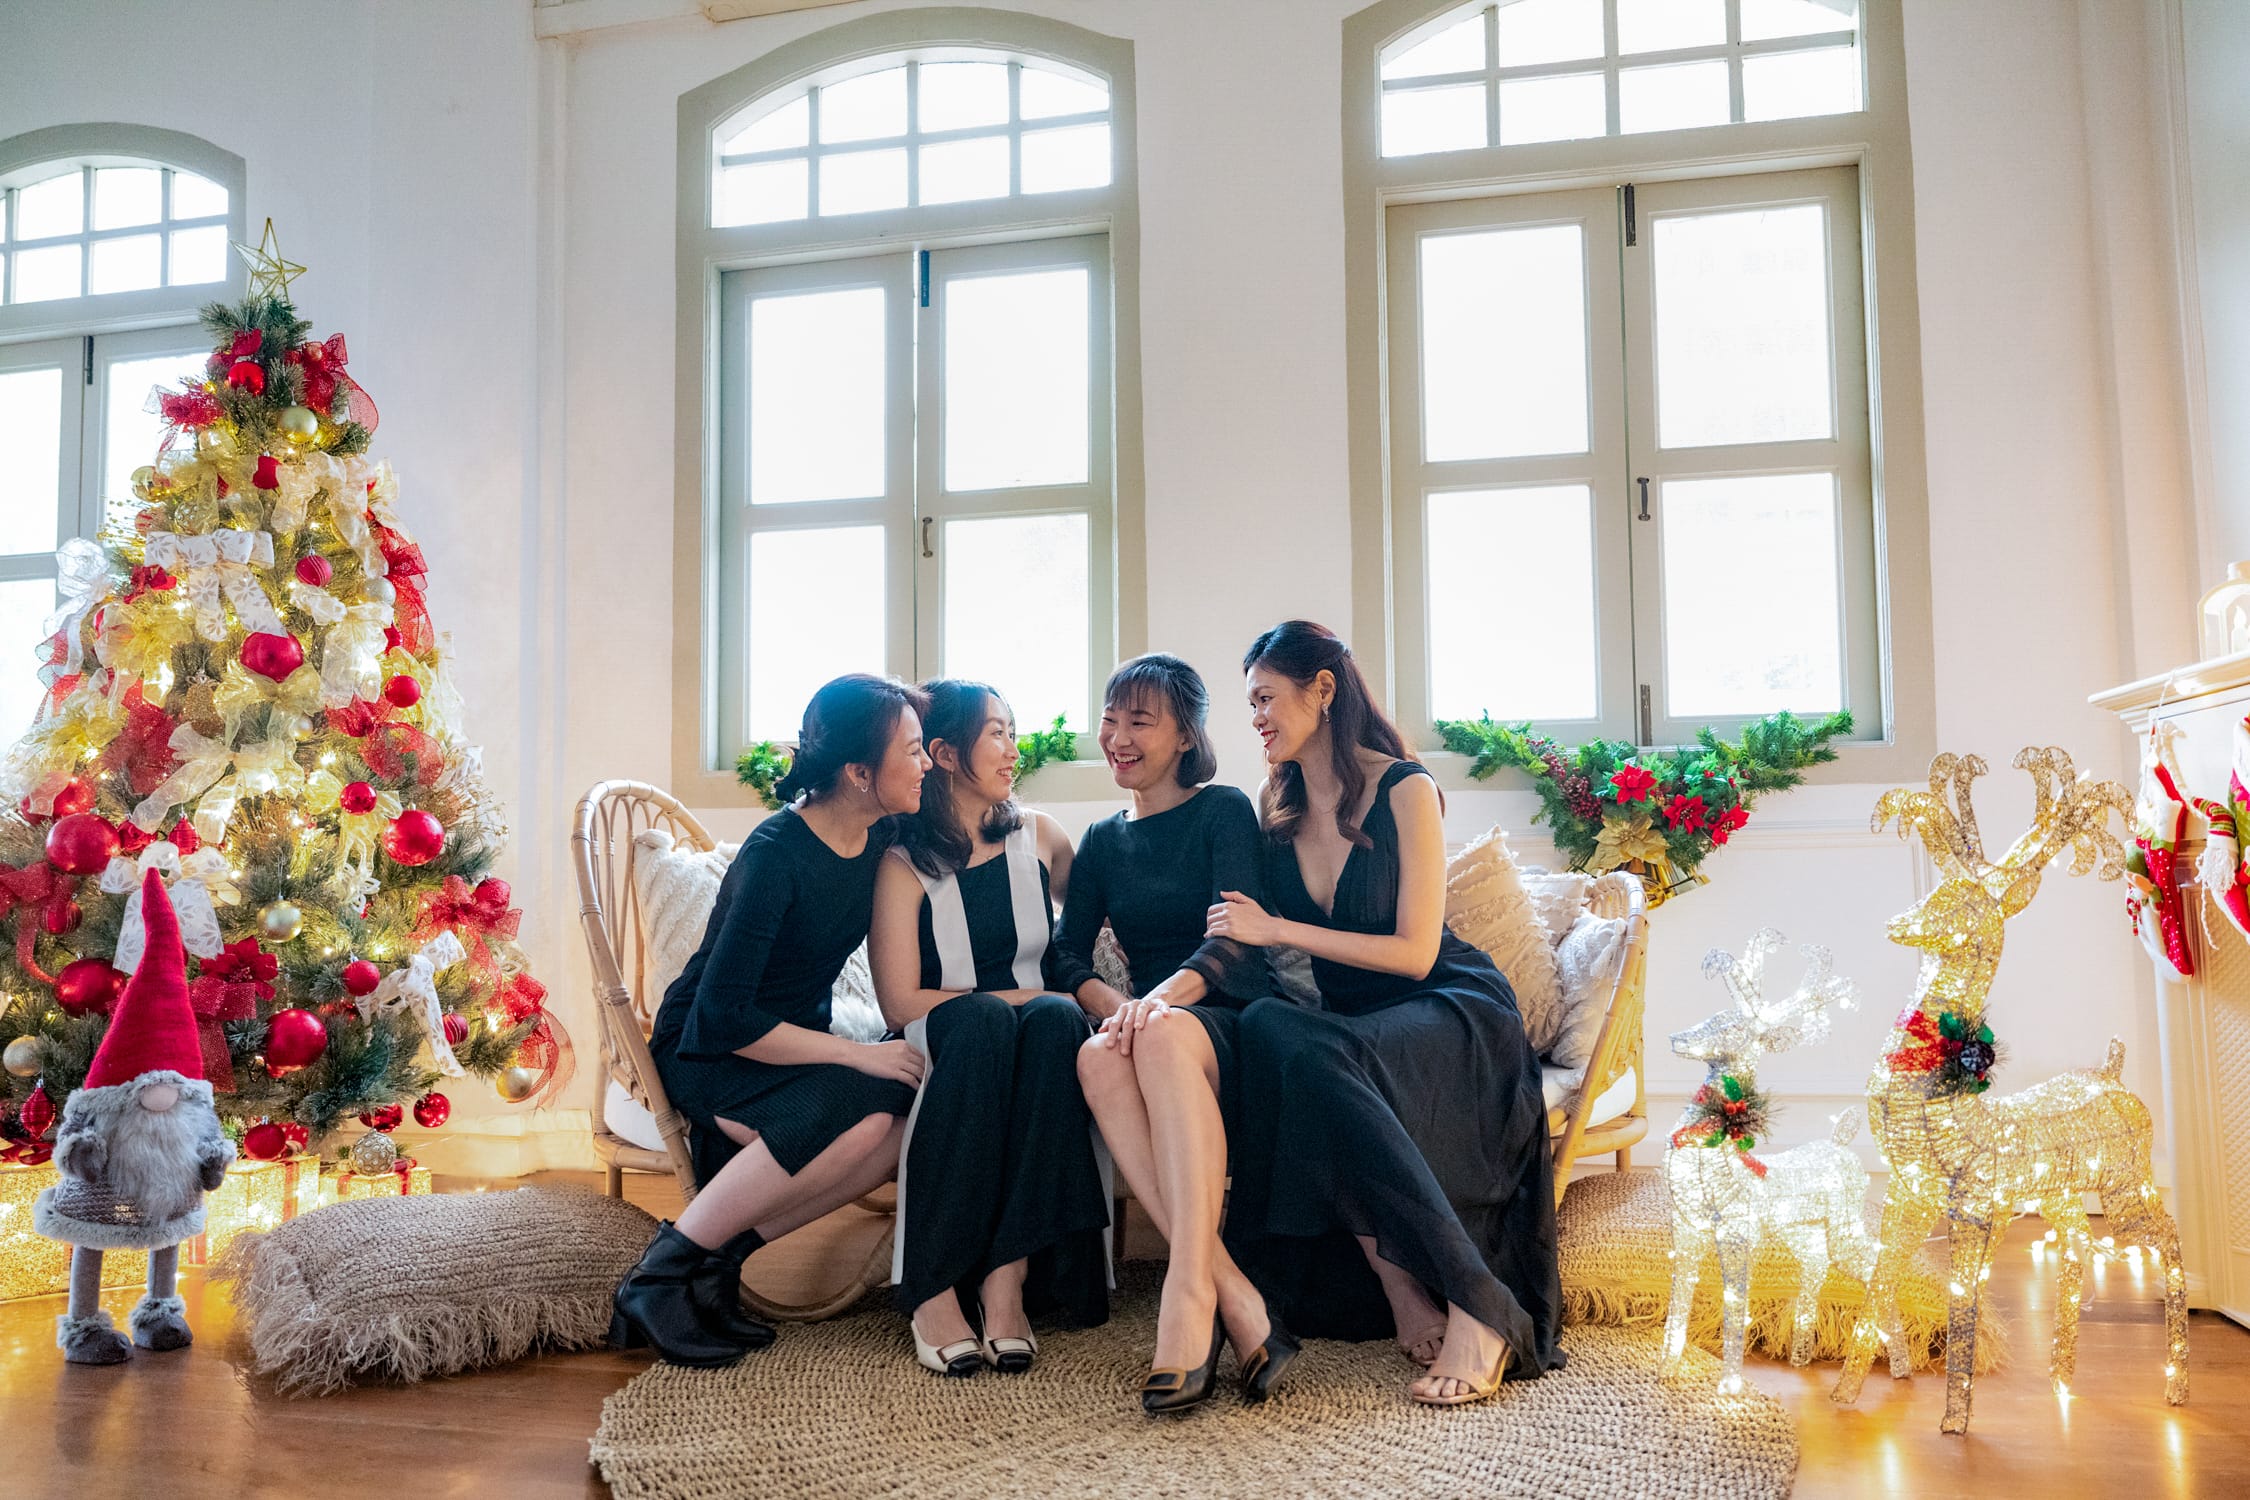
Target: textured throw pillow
[[1559, 897], [1487, 907], [1588, 957], [407, 1288]]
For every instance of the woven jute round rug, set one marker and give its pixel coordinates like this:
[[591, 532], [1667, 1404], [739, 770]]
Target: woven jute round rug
[[839, 1411]]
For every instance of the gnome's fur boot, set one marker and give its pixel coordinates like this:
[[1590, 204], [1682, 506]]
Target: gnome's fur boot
[[159, 1319], [84, 1333]]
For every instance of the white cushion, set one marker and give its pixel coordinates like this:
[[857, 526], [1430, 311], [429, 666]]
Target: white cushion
[[628, 1118], [1486, 906], [1588, 957], [1559, 897], [1559, 1084]]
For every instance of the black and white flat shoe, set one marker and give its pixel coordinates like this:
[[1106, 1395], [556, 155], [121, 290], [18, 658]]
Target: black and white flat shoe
[[1008, 1355], [959, 1359]]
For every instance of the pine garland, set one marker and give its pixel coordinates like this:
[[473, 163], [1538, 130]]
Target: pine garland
[[762, 766], [1045, 747]]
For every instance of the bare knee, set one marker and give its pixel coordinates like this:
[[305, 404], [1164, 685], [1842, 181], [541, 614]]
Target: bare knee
[[869, 1134], [1102, 1068]]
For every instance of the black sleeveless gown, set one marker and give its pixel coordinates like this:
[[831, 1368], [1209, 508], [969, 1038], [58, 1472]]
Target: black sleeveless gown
[[1407, 1110]]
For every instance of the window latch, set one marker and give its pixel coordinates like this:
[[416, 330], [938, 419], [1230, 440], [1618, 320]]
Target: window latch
[[926, 520], [1642, 481]]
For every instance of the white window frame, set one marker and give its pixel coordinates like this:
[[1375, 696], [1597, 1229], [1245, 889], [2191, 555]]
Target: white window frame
[[1897, 737], [707, 692]]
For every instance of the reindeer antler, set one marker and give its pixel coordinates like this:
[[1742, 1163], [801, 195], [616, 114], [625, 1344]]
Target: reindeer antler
[[2068, 809], [1745, 976], [1947, 824]]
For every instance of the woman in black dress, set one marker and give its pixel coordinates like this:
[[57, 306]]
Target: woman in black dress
[[1000, 1196], [1161, 1088], [1407, 1114], [786, 1121]]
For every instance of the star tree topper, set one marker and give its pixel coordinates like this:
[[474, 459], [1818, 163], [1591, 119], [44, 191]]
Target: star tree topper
[[269, 273]]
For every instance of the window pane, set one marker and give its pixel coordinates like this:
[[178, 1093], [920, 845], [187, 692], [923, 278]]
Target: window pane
[[859, 182], [1459, 48], [865, 108], [1824, 81], [1016, 380], [816, 396], [56, 206], [30, 469], [1661, 25], [24, 607], [1571, 107], [815, 611], [1056, 161], [1742, 353], [196, 197], [1512, 603], [1750, 617], [957, 171], [128, 264], [961, 95], [1417, 121], [1042, 95], [990, 567], [759, 192], [1504, 343], [1679, 97], [42, 275], [134, 431], [777, 130], [125, 196], [1543, 31], [1770, 18], [199, 255]]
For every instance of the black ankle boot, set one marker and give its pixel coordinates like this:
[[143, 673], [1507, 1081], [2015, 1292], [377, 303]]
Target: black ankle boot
[[657, 1305], [719, 1290]]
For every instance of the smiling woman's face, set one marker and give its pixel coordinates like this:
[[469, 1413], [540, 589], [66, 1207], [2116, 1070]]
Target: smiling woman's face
[[985, 768], [1284, 712], [898, 779], [1142, 741]]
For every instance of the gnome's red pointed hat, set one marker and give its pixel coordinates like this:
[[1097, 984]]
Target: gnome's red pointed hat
[[152, 1025]]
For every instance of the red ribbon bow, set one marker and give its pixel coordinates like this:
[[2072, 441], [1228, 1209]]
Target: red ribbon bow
[[547, 1050], [478, 914], [232, 983], [143, 748], [323, 364], [32, 893], [407, 569]]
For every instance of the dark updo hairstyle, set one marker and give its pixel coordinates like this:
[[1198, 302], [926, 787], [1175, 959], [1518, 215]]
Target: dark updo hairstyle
[[1300, 651], [1158, 678], [955, 711], [849, 722]]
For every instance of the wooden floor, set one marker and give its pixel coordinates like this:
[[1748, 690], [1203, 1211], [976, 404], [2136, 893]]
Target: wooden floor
[[189, 1426]]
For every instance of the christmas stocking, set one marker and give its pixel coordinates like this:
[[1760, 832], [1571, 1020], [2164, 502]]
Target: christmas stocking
[[2159, 824], [2226, 880]]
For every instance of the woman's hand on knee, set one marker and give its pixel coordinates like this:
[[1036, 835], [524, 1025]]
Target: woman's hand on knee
[[1131, 1018], [900, 1062]]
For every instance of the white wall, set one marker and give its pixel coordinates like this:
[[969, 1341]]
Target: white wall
[[495, 231]]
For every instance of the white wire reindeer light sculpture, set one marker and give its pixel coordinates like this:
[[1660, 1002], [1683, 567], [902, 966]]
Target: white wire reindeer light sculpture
[[1727, 1197]]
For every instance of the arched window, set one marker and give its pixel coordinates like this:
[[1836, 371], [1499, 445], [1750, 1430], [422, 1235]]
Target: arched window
[[907, 322], [1633, 372], [111, 237]]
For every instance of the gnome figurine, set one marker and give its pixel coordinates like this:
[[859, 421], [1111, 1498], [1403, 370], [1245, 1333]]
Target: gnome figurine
[[139, 1146]]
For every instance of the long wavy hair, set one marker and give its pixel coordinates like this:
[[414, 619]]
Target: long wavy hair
[[1300, 651], [849, 722], [934, 838]]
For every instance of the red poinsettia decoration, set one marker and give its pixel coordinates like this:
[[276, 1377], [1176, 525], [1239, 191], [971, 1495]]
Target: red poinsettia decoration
[[1722, 827], [1684, 811], [1632, 784]]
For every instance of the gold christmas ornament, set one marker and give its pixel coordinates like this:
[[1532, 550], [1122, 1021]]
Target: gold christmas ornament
[[1975, 1161], [514, 1085], [23, 1057], [374, 1154], [143, 477], [281, 922], [379, 591], [299, 424], [1728, 1197]]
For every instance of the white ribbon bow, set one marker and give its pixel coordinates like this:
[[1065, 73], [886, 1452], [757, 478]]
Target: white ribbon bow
[[351, 655], [219, 562], [203, 780], [344, 486], [324, 607], [81, 573], [197, 881], [414, 986]]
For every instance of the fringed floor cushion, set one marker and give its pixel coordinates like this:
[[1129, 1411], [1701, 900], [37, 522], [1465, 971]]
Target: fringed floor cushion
[[1617, 1269], [409, 1288]]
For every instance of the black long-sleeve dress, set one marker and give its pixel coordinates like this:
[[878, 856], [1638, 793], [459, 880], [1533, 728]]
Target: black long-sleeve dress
[[999, 1162], [789, 914], [1408, 1110], [1154, 881]]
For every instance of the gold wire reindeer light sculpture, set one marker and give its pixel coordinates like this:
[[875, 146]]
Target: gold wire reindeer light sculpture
[[1975, 1161], [1727, 1198]]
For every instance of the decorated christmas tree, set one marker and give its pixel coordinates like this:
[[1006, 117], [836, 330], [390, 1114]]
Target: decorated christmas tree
[[246, 694]]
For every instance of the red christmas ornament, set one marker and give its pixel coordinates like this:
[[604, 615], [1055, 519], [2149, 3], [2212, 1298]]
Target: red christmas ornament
[[296, 1135], [315, 570], [274, 656], [361, 977], [81, 844], [391, 638], [402, 691], [184, 838], [493, 891], [432, 1110], [246, 343], [294, 1039], [244, 374], [265, 1141], [38, 1112], [60, 917], [87, 986], [75, 797], [358, 797], [414, 838], [268, 475], [382, 1117], [456, 1028]]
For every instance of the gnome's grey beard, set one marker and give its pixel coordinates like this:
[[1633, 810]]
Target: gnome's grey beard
[[154, 1160]]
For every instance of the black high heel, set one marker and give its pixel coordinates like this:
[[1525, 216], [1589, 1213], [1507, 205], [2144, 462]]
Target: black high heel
[[664, 1303], [1170, 1390], [1262, 1367]]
